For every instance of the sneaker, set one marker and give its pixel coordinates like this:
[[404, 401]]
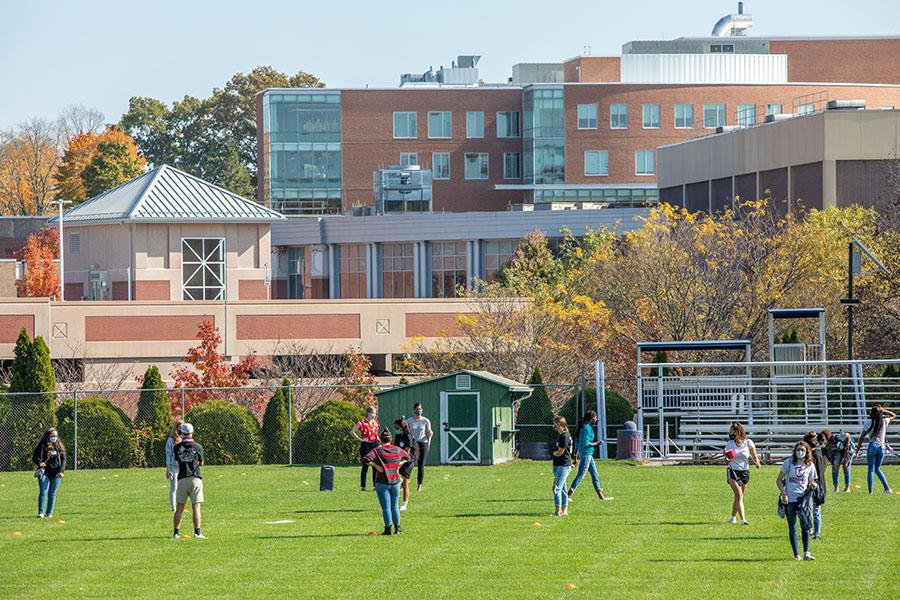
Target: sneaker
[[817, 537], [49, 516], [200, 536], [175, 536], [732, 520], [888, 491], [398, 531], [387, 531], [836, 488], [847, 489], [403, 506], [40, 515], [808, 556], [797, 557], [363, 489], [745, 522]]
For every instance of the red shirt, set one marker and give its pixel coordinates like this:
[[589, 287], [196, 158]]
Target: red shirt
[[388, 457], [368, 430]]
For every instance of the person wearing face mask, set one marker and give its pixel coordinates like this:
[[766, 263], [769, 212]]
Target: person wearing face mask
[[366, 431], [796, 479], [420, 427], [818, 457], [50, 458], [403, 439], [875, 429], [739, 450], [584, 450]]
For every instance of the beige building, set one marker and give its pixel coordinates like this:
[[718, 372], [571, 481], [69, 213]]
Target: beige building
[[167, 235], [833, 157]]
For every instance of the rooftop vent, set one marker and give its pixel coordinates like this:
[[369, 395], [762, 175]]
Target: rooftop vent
[[846, 105], [735, 24]]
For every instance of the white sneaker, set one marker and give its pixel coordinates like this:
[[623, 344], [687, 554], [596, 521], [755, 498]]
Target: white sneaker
[[403, 506], [40, 515], [175, 536], [732, 520], [797, 557], [808, 556], [888, 491], [745, 522], [200, 536], [835, 488]]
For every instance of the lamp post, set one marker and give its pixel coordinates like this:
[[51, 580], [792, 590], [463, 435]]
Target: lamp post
[[62, 270], [854, 269]]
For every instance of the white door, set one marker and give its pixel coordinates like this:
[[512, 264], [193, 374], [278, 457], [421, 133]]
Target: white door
[[460, 428]]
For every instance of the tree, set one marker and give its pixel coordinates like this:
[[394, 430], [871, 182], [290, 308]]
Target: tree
[[41, 278], [535, 410], [29, 155], [212, 138], [357, 374], [93, 164], [154, 412], [78, 118], [275, 427], [209, 370]]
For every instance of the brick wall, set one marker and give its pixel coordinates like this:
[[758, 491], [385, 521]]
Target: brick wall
[[294, 327], [151, 290], [847, 61], [155, 328], [74, 290], [251, 289], [11, 325], [431, 324]]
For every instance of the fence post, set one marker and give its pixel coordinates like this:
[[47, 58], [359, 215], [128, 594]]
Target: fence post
[[600, 380], [290, 399], [182, 403], [75, 451]]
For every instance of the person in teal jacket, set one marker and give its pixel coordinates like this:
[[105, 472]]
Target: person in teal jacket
[[584, 449]]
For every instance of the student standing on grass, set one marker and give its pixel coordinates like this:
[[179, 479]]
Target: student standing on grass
[[739, 450], [839, 452], [50, 458], [189, 455], [812, 439], [584, 448], [875, 429], [366, 431], [403, 439], [171, 463], [562, 465], [386, 461], [420, 427], [796, 479]]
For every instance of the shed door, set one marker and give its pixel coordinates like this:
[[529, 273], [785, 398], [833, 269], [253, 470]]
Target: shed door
[[460, 428]]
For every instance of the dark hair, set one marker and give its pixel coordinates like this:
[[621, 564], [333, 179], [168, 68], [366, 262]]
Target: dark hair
[[417, 405], [404, 426], [810, 438], [385, 436], [585, 420], [807, 460], [877, 422], [57, 445], [737, 433]]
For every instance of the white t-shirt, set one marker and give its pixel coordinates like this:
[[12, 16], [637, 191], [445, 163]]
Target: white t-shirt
[[797, 477], [880, 437], [741, 460]]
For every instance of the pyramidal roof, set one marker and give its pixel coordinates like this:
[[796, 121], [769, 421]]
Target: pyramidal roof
[[167, 195]]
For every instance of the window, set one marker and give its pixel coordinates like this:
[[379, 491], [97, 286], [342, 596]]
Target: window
[[440, 165], [397, 271], [75, 241], [296, 271], [651, 116], [882, 108], [475, 124], [496, 254], [203, 268], [596, 162], [618, 116], [508, 124], [439, 125], [807, 109], [773, 109], [713, 115], [587, 116], [644, 162], [746, 114], [684, 116], [476, 165], [404, 125], [352, 269], [409, 158], [720, 48], [448, 268], [512, 165]]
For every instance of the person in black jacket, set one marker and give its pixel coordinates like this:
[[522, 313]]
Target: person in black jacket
[[403, 438], [50, 458], [812, 438]]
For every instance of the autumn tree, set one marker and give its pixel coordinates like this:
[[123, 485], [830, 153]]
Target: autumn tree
[[93, 164], [78, 118], [357, 374], [41, 278], [29, 155]]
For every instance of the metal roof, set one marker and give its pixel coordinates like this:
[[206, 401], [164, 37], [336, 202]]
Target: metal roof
[[167, 195], [513, 386]]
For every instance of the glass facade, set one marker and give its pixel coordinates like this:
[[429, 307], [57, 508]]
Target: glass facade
[[496, 254], [544, 159], [302, 152], [448, 268], [296, 272], [352, 261], [397, 271], [618, 196]]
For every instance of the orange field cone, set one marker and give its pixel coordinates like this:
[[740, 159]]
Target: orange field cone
[[184, 535], [855, 487], [60, 522], [571, 586], [535, 524], [371, 533], [17, 533]]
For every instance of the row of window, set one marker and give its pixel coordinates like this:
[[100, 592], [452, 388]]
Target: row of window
[[714, 115], [440, 125], [596, 162], [476, 164]]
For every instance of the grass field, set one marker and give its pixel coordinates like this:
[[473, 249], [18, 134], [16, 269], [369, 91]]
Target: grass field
[[468, 534]]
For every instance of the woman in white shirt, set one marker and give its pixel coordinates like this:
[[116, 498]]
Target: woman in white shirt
[[739, 450], [875, 428], [797, 475]]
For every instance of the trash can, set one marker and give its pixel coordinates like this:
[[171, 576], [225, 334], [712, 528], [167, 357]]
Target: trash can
[[326, 479], [629, 442]]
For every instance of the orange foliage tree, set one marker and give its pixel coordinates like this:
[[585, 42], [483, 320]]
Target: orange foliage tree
[[41, 278], [357, 373], [93, 163], [209, 370]]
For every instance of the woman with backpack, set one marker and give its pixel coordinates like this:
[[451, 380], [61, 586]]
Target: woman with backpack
[[739, 450], [171, 462], [875, 429], [796, 479], [562, 465], [50, 458], [584, 450], [403, 439], [812, 438], [839, 452]]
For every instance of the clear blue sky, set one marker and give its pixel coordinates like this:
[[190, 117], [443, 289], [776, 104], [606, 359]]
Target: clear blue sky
[[100, 53]]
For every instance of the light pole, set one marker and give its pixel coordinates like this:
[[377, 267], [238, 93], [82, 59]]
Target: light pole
[[854, 269], [62, 270]]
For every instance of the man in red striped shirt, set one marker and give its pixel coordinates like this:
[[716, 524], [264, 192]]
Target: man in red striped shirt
[[386, 460]]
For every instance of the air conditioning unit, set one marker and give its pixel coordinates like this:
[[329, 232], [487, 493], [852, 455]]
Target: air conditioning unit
[[846, 105]]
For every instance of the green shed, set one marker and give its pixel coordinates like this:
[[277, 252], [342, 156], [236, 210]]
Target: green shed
[[471, 414]]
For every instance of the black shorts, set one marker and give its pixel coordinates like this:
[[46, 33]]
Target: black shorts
[[405, 469], [742, 477]]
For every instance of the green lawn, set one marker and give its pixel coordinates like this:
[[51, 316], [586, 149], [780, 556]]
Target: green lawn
[[468, 534]]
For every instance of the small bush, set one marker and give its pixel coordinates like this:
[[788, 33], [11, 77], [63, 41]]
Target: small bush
[[323, 437], [104, 438], [154, 413], [275, 427], [228, 433]]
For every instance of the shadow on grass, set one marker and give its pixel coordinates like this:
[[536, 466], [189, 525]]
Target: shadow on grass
[[309, 535], [523, 514], [731, 539], [517, 500], [146, 538], [332, 510], [723, 560], [672, 523]]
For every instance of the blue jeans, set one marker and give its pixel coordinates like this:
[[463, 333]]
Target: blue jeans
[[790, 513], [834, 475], [560, 496], [874, 456], [388, 496], [586, 464], [47, 494], [817, 520]]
